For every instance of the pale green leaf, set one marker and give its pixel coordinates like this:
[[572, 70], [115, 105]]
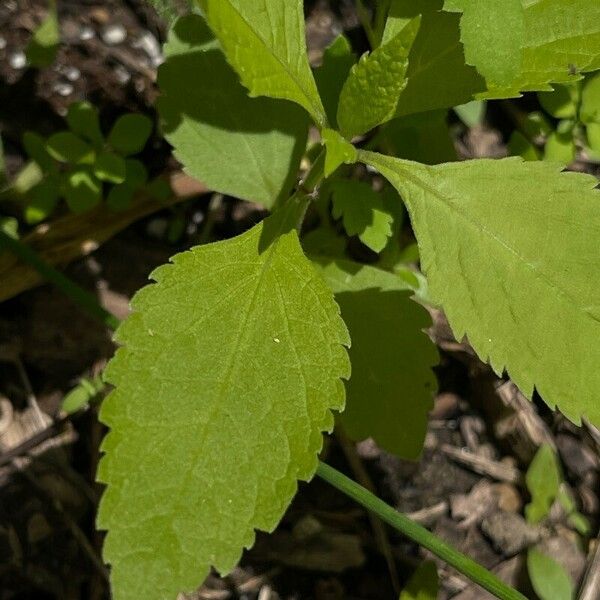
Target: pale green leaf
[[265, 43], [43, 46], [363, 213], [492, 32], [509, 249], [10, 226], [590, 100], [424, 584], [562, 102], [371, 92], [519, 145], [249, 148], [339, 151], [543, 480], [472, 114], [230, 369], [549, 579], [560, 148], [129, 134], [42, 200], [390, 392], [338, 59]]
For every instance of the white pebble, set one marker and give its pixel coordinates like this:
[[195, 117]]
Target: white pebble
[[72, 73], [2, 43], [114, 35], [63, 89], [18, 60], [86, 33], [122, 74], [149, 44]]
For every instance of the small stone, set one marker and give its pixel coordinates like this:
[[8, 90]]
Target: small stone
[[72, 73], [113, 35], [122, 75], [149, 44], [2, 43], [63, 89], [509, 532], [577, 457], [446, 406], [509, 498], [17, 60], [87, 33]]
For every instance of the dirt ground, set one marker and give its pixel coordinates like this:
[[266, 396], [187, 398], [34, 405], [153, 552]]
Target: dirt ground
[[468, 487]]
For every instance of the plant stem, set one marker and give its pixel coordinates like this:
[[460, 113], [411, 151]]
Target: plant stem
[[415, 532], [80, 296], [364, 16]]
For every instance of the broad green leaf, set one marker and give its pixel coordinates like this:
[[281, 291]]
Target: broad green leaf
[[560, 148], [548, 578], [423, 137], [83, 120], [509, 249], [590, 100], [249, 148], [82, 190], [472, 113], [563, 102], [324, 241], [110, 167], [232, 363], [339, 151], [43, 46], [519, 145], [543, 480], [264, 41], [492, 32], [66, 147], [424, 584], [330, 77], [129, 134], [42, 200], [390, 392], [363, 213], [371, 92]]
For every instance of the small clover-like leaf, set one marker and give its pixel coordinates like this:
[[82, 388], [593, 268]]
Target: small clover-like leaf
[[83, 120], [390, 392], [543, 482], [549, 579], [129, 134], [371, 92], [82, 189], [65, 146], [232, 363], [363, 213], [110, 167], [527, 304], [264, 41]]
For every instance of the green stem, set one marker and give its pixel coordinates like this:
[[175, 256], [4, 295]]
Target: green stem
[[364, 16], [80, 296], [415, 532], [402, 523]]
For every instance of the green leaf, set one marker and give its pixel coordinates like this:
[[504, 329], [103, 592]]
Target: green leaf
[[83, 120], [424, 584], [371, 92], [330, 77], [593, 137], [561, 103], [491, 32], [120, 197], [472, 114], [549, 579], [264, 41], [129, 134], [35, 146], [590, 100], [43, 46], [249, 148], [339, 151], [82, 190], [519, 145], [230, 368], [390, 392], [363, 213], [42, 200], [508, 247], [560, 148], [110, 167], [543, 480], [83, 395], [66, 147], [10, 226]]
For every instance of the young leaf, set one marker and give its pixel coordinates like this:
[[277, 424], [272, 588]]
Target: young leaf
[[66, 147], [560, 148], [82, 190], [371, 92], [83, 120], [130, 134], [363, 213], [543, 480], [230, 369], [472, 114], [339, 151], [549, 579], [390, 392], [330, 77], [264, 41], [519, 145], [35, 146], [562, 102], [110, 167], [42, 200], [590, 100], [424, 584], [249, 148], [506, 246], [492, 32], [43, 46]]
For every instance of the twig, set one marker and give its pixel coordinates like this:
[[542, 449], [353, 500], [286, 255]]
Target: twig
[[590, 588]]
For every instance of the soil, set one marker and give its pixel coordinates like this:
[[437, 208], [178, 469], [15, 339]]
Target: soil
[[326, 547]]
